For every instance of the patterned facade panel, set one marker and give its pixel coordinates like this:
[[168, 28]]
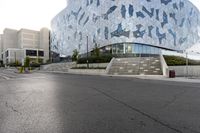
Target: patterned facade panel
[[172, 24]]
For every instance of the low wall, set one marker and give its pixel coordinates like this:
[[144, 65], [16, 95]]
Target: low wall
[[91, 65], [65, 64], [88, 71], [109, 65], [165, 68], [193, 71]]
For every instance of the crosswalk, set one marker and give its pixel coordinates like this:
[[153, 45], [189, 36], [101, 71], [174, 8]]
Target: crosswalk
[[6, 74], [63, 67], [12, 74]]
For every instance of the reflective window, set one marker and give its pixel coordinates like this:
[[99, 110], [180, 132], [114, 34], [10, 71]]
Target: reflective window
[[144, 49], [136, 48], [7, 53], [123, 11], [98, 2], [156, 50], [128, 48], [40, 53], [152, 50], [120, 49], [114, 49], [130, 10], [148, 49], [140, 48], [31, 52]]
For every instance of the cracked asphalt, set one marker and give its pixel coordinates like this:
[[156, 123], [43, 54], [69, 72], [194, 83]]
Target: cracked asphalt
[[67, 103]]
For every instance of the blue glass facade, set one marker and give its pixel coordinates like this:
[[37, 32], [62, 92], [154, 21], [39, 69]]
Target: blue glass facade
[[134, 48], [167, 24]]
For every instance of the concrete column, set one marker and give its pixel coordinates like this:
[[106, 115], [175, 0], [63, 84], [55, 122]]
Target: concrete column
[[124, 45]]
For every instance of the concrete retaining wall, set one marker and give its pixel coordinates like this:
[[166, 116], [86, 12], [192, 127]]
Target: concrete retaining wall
[[109, 65], [193, 71], [91, 65], [88, 71], [165, 68]]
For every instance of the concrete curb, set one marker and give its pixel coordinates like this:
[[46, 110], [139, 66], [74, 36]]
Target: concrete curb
[[161, 78], [94, 74], [144, 77]]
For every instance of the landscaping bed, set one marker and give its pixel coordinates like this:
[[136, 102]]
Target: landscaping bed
[[179, 61]]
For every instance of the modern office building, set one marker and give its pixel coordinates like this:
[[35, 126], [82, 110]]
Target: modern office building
[[125, 26], [17, 45]]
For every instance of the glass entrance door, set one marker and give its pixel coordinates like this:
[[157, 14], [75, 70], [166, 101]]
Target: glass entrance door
[[128, 48]]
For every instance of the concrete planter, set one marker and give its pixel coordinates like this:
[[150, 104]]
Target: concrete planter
[[181, 71]]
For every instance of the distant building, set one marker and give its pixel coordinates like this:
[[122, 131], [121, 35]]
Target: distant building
[[16, 45], [1, 62]]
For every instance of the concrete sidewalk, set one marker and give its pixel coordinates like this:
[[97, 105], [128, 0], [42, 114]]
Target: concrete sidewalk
[[163, 78], [98, 72], [146, 77]]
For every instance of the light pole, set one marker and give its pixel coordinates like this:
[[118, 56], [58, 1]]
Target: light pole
[[87, 54], [186, 64], [15, 59]]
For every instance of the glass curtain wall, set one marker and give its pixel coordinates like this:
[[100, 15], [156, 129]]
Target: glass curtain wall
[[134, 49]]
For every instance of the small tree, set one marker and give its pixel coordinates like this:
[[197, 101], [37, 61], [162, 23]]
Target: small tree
[[75, 55], [27, 62], [96, 51], [39, 60], [17, 63]]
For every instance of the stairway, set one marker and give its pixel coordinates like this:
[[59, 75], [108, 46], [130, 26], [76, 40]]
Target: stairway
[[57, 67], [136, 66]]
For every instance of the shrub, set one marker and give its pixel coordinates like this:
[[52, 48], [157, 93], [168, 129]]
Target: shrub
[[179, 61], [95, 59], [21, 69], [96, 51], [75, 55], [27, 62], [83, 67], [34, 65], [14, 64]]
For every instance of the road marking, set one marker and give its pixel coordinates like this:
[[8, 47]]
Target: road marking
[[5, 77], [29, 78]]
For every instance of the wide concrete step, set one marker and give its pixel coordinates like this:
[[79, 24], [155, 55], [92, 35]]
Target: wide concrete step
[[56, 67], [136, 66]]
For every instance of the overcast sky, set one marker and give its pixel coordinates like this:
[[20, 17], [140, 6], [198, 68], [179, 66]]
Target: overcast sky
[[33, 14], [196, 2]]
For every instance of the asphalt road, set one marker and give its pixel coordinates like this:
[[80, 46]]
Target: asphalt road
[[65, 103]]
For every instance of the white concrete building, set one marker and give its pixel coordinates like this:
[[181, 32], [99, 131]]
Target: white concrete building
[[17, 45]]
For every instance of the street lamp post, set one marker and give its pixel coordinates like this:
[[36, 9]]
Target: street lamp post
[[186, 64], [15, 59], [87, 54]]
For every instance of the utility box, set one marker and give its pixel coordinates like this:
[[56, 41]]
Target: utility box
[[172, 74]]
